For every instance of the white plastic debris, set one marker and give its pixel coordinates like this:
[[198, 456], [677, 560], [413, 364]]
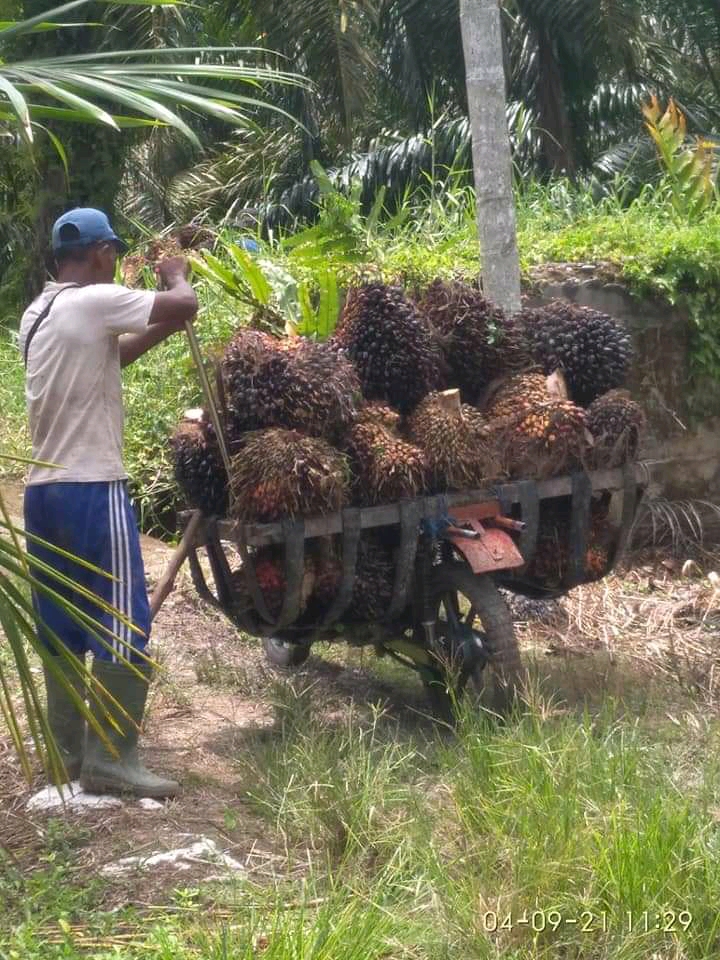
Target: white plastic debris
[[147, 803], [70, 795], [203, 850]]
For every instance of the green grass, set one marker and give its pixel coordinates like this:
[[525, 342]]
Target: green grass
[[407, 843]]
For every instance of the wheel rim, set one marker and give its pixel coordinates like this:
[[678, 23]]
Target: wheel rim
[[461, 647]]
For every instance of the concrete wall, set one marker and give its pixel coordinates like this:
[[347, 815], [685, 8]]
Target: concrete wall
[[686, 446]]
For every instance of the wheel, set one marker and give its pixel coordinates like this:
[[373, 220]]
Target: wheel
[[284, 654], [476, 644]]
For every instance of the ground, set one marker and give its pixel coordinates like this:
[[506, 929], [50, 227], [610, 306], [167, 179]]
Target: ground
[[306, 779]]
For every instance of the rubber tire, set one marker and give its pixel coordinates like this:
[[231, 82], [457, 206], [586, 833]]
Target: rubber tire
[[282, 654], [497, 684]]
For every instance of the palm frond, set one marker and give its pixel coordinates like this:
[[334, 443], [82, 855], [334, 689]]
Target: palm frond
[[158, 85]]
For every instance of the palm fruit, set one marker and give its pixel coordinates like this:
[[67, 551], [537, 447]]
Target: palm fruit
[[281, 473], [617, 424], [390, 344], [591, 349], [454, 439], [199, 470], [543, 439], [386, 468], [374, 581], [297, 384], [478, 340]]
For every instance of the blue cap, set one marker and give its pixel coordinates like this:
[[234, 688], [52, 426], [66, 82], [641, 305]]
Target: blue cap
[[81, 228]]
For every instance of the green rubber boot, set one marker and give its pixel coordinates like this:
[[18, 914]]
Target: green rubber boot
[[101, 771], [64, 719]]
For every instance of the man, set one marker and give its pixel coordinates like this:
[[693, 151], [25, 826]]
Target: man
[[75, 337]]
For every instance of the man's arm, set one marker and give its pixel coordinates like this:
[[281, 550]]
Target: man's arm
[[172, 308]]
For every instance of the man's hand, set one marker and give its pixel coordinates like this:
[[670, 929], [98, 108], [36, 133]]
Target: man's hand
[[172, 271]]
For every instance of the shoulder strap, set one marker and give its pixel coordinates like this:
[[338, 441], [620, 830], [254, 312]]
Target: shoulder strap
[[39, 319]]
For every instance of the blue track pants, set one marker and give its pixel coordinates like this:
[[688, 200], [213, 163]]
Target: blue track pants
[[96, 522]]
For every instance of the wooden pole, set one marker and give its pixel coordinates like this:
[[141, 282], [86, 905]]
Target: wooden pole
[[166, 583]]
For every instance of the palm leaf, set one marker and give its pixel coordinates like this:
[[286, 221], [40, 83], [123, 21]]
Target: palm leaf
[[151, 85]]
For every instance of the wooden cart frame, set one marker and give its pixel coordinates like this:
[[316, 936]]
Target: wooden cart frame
[[521, 499]]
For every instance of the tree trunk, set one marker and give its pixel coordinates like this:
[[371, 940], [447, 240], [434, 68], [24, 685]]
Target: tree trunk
[[556, 130], [484, 66]]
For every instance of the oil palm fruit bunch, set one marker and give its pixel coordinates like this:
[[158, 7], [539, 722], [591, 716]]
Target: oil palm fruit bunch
[[597, 561], [282, 473], [592, 349], [250, 363], [193, 237], [323, 391], [379, 413], [294, 383], [517, 392], [374, 580], [385, 467], [479, 341], [551, 561], [270, 579], [545, 439], [327, 583], [455, 440], [132, 270], [617, 424], [269, 570], [391, 345], [163, 247], [199, 470]]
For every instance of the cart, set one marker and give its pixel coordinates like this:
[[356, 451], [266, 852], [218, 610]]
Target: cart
[[447, 618]]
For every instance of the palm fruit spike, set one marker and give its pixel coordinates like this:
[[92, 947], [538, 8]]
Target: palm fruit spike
[[281, 473], [199, 469], [374, 581], [592, 350], [386, 468], [617, 425], [479, 341], [390, 344], [296, 384], [455, 442]]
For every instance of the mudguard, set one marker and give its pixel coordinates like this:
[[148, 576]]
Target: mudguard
[[485, 547]]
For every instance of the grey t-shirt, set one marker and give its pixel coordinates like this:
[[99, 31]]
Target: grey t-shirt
[[73, 385]]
